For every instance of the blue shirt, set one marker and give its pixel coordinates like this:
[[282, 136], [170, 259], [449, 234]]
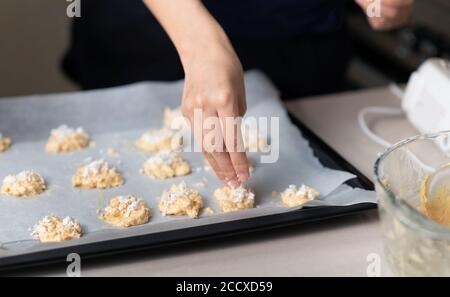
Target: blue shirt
[[261, 19], [277, 19], [119, 41]]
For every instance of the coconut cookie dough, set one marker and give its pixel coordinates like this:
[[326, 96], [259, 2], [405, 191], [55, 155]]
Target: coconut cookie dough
[[97, 175], [296, 196], [235, 199], [435, 203], [166, 164], [254, 141], [54, 229], [65, 139], [25, 184], [126, 211], [180, 200], [173, 119], [158, 140], [5, 143]]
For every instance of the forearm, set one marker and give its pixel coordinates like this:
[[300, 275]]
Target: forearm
[[189, 25], [214, 81]]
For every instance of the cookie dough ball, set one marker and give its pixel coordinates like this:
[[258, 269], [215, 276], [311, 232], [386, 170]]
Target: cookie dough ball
[[126, 211], [254, 141], [235, 199], [54, 229], [25, 184], [296, 196], [173, 119], [97, 175], [5, 143], [180, 200], [166, 164], [65, 139], [158, 140]]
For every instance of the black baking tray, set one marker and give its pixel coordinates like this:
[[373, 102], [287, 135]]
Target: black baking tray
[[327, 156]]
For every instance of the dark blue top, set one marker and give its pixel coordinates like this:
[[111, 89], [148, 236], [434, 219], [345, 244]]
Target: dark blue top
[[119, 41], [261, 19], [268, 19]]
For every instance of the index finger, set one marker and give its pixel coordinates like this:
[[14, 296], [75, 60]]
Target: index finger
[[231, 132], [214, 148]]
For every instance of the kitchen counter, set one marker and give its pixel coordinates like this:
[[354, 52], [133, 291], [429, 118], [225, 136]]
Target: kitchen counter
[[336, 247]]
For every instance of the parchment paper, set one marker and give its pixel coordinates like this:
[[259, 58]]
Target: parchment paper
[[115, 118]]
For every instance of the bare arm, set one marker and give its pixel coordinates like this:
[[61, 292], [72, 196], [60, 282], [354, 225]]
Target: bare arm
[[214, 81]]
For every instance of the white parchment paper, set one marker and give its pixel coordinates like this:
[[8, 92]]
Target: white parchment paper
[[115, 118]]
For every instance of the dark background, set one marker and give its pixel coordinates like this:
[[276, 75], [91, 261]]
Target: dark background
[[35, 35]]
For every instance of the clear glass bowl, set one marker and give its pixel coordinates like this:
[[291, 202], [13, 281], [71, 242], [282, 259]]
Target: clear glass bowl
[[414, 245]]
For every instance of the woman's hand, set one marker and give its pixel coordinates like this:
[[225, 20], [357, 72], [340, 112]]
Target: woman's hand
[[214, 95], [214, 84], [393, 13]]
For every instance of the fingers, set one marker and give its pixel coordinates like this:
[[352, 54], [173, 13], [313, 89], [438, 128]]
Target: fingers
[[231, 131], [220, 142], [242, 102], [215, 151], [215, 167], [240, 165], [196, 124], [226, 167]]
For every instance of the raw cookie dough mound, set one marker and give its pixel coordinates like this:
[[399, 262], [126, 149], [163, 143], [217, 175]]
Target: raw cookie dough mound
[[180, 200], [25, 184], [97, 175], [158, 140], [235, 199], [166, 164], [5, 143], [254, 141], [65, 139], [294, 196], [173, 119], [54, 229], [126, 211]]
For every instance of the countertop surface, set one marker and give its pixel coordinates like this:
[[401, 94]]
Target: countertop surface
[[336, 247]]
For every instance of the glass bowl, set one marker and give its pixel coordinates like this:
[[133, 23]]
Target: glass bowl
[[414, 244]]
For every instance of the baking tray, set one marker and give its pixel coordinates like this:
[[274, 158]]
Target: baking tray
[[327, 156]]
